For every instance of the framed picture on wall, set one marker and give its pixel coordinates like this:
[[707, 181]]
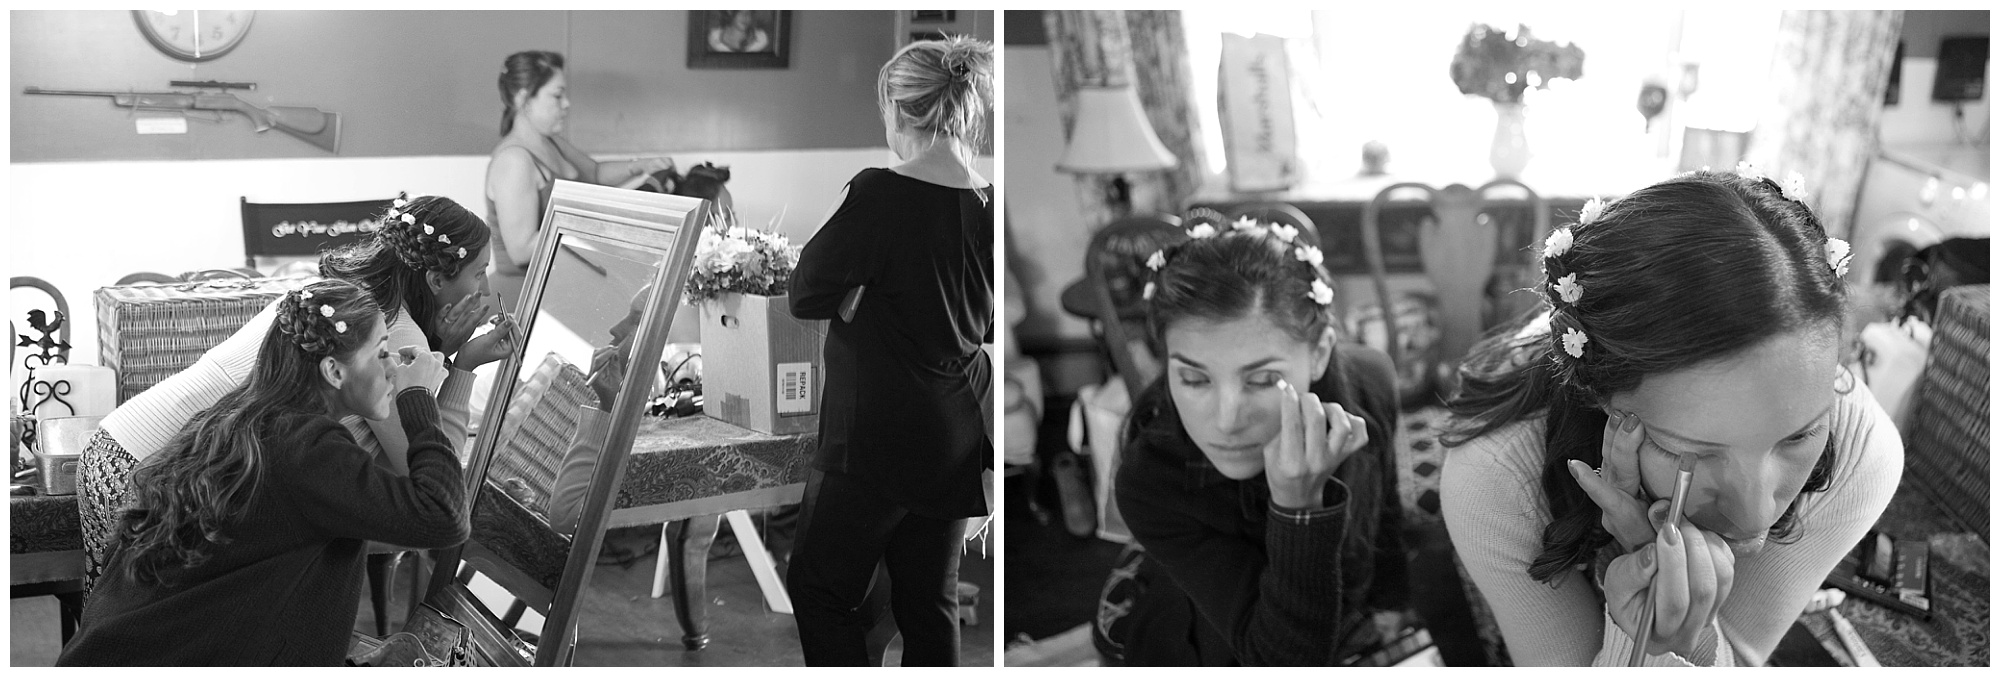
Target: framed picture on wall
[[933, 16], [739, 39]]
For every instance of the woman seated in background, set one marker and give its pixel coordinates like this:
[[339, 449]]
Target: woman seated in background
[[245, 540], [1258, 473], [1700, 316], [426, 268], [532, 154]]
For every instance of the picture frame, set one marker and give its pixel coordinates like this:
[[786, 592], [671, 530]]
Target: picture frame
[[739, 39], [933, 16]]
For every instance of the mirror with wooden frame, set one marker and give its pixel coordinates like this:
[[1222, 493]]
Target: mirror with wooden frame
[[560, 421]]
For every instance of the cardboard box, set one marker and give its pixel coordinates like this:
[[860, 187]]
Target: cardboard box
[[762, 369]]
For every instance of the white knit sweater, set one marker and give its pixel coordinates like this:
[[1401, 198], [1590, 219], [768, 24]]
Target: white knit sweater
[[144, 424], [1495, 510]]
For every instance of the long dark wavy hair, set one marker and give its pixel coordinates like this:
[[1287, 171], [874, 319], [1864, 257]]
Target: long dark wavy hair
[[1230, 276], [524, 72], [391, 264], [1680, 273], [185, 498]]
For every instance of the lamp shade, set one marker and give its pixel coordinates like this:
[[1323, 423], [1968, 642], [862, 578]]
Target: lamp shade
[[1111, 135]]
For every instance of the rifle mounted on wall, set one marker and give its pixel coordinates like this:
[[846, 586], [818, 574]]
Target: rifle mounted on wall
[[312, 125]]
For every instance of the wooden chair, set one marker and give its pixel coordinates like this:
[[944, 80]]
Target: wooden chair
[[1458, 247], [1115, 257]]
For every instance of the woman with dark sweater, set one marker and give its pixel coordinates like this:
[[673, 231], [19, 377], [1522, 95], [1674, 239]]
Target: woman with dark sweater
[[246, 537], [903, 436], [1257, 474]]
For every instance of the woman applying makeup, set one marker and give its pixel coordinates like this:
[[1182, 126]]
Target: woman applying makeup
[[1699, 317]]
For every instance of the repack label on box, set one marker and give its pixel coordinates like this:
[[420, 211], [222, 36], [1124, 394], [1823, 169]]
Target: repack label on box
[[794, 386]]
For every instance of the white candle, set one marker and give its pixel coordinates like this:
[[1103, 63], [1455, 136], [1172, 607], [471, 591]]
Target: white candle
[[92, 391]]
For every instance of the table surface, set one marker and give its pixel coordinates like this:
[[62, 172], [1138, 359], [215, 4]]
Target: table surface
[[1957, 633]]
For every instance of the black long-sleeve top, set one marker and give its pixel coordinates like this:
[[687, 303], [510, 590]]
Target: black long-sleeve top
[[905, 403], [1232, 579], [284, 587]]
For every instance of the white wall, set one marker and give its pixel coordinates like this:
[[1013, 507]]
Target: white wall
[[1046, 231], [1918, 122], [83, 225]]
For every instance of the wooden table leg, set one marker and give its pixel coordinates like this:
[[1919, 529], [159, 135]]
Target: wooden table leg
[[690, 539]]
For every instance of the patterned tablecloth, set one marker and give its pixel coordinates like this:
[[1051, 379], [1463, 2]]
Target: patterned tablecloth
[[691, 466], [44, 524]]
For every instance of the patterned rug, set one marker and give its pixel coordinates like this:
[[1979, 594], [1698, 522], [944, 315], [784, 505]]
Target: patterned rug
[[1420, 465]]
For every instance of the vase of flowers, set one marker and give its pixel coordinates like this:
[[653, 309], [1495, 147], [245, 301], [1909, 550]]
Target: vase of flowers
[[1502, 67], [761, 366]]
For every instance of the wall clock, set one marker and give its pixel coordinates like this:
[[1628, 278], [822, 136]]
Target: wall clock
[[194, 34]]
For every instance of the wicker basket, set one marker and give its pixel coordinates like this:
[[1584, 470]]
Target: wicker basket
[[1948, 444], [150, 332]]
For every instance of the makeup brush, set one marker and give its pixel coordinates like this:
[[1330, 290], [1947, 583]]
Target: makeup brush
[[1683, 478]]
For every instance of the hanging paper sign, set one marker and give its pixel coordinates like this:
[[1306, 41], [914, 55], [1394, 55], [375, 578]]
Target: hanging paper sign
[[1255, 100]]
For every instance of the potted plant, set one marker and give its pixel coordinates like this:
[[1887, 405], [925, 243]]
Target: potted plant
[[761, 366], [1501, 68]]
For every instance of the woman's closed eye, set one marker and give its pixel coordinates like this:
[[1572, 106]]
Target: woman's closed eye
[[1191, 378], [1264, 379]]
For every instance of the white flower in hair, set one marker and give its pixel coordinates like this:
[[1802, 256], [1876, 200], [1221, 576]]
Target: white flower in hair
[[444, 239], [1148, 293], [1573, 341], [1567, 287], [400, 202], [409, 219], [1201, 231], [340, 326], [1558, 243], [1157, 261], [1244, 223], [461, 252], [1309, 254], [1749, 171], [1321, 294], [1591, 210], [326, 310], [305, 294], [1794, 187], [428, 230], [1284, 232], [1837, 256]]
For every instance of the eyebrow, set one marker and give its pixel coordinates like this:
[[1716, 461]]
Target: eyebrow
[[1717, 445], [1247, 367]]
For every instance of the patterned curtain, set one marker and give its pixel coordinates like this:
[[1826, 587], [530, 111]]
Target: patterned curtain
[[1095, 48], [1829, 70]]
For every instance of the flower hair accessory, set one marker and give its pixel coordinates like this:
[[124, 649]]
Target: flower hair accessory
[[1201, 231], [1837, 256], [306, 294], [1244, 223], [1558, 243], [1573, 341], [1794, 187], [409, 220], [1148, 293], [1591, 210], [428, 230], [461, 252], [1568, 288], [1321, 294], [1157, 261], [442, 239], [1749, 171], [340, 326], [1284, 232], [325, 310]]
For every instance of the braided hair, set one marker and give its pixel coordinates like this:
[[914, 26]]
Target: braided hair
[[187, 496], [428, 234], [1680, 273], [944, 87]]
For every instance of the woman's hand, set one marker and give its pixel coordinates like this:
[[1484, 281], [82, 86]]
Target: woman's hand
[[1307, 450], [492, 346], [455, 322], [1625, 515], [417, 368], [647, 166], [607, 374], [1688, 573]]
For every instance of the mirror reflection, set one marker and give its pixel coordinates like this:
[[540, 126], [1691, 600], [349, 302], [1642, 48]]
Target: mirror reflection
[[552, 433]]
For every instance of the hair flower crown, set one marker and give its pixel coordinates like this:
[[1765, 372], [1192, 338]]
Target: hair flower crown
[[1321, 292]]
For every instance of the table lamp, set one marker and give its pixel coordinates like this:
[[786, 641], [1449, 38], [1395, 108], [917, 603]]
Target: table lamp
[[1110, 135]]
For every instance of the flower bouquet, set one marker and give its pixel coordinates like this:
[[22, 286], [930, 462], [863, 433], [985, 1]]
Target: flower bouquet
[[1502, 68], [740, 260]]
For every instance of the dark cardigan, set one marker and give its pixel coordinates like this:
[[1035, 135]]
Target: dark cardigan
[[284, 588], [1231, 579], [907, 404]]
